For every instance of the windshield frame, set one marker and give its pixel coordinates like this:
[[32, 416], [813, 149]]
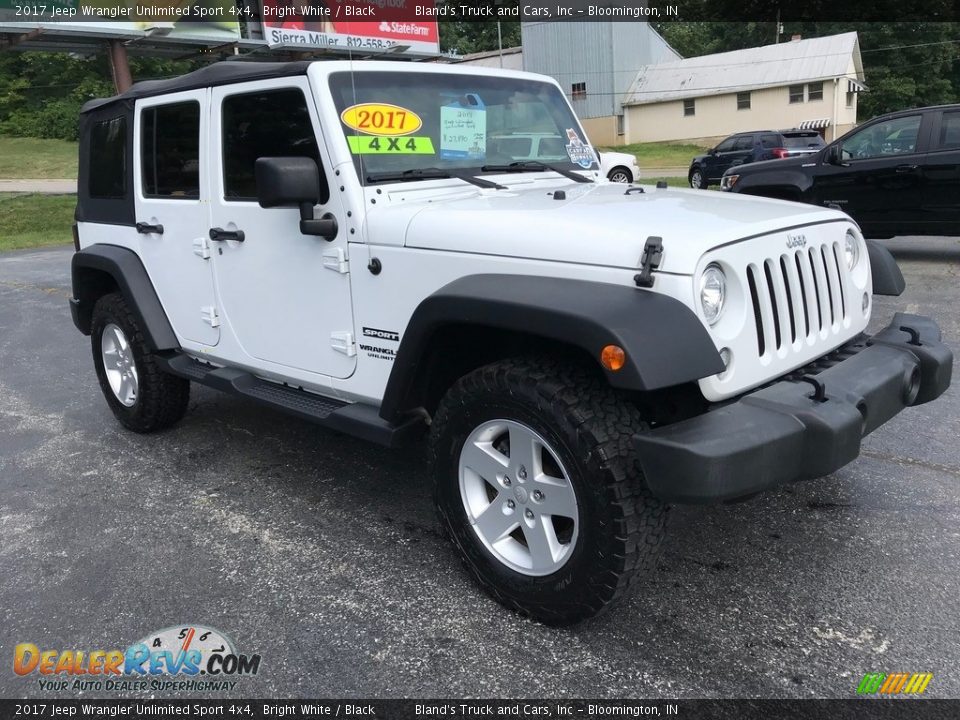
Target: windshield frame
[[345, 93]]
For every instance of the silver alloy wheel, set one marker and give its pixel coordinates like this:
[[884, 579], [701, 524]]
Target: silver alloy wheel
[[119, 364], [619, 176], [518, 497], [696, 179]]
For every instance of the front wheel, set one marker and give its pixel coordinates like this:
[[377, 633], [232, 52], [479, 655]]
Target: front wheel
[[696, 179], [536, 480]]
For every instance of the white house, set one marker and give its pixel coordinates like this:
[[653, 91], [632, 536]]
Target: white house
[[799, 84]]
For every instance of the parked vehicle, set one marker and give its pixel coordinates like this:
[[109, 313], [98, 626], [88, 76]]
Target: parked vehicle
[[750, 147], [549, 147], [352, 244], [619, 167], [898, 174]]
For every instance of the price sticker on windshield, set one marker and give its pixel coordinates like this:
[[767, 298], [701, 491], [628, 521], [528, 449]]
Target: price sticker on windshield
[[381, 119]]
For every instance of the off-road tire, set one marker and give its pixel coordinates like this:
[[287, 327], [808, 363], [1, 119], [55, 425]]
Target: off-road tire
[[161, 398], [621, 524]]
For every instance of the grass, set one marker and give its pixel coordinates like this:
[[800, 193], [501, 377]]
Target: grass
[[34, 158], [28, 220], [662, 154]]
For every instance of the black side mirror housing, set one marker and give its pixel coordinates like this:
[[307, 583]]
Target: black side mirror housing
[[294, 182], [712, 151], [832, 155], [287, 181]]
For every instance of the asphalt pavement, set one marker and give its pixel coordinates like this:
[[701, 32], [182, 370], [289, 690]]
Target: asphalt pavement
[[322, 554]]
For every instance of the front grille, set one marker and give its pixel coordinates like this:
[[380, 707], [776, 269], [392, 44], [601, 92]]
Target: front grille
[[798, 297]]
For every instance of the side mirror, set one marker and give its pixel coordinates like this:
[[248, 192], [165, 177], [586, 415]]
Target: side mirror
[[293, 182], [712, 151], [832, 155]]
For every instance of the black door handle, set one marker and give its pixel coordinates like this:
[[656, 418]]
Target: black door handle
[[906, 168], [221, 234], [148, 229]]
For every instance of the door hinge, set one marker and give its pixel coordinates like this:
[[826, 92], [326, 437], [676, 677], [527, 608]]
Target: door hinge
[[201, 248], [336, 259], [343, 342], [649, 261], [210, 316]]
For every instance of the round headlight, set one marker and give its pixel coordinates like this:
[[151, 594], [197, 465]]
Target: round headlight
[[713, 290], [851, 249]]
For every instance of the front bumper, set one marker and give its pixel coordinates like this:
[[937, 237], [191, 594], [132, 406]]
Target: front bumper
[[798, 428]]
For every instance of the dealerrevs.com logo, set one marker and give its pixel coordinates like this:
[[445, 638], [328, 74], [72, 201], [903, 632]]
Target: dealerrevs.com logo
[[190, 658]]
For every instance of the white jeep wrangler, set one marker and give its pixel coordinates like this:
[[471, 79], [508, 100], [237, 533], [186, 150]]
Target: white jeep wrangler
[[354, 243]]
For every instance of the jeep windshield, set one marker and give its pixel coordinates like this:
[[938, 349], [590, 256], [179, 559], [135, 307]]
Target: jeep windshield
[[420, 125]]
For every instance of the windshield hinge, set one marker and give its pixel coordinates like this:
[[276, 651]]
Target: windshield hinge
[[649, 261]]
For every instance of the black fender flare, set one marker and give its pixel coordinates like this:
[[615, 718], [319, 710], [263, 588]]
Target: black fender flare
[[124, 267], [887, 278], [665, 343]]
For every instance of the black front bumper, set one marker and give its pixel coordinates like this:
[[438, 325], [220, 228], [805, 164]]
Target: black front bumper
[[798, 428]]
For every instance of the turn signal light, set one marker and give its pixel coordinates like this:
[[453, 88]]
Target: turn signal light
[[612, 357]]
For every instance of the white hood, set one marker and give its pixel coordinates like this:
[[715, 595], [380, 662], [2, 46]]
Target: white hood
[[596, 224]]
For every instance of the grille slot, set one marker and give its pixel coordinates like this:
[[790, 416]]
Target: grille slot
[[797, 296]]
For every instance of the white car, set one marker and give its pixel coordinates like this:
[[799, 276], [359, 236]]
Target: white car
[[619, 167], [358, 245]]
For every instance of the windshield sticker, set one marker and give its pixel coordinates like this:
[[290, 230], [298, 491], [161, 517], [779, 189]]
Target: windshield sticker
[[463, 129], [381, 119], [373, 145], [578, 152]]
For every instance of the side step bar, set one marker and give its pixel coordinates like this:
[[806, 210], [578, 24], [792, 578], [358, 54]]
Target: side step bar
[[357, 419]]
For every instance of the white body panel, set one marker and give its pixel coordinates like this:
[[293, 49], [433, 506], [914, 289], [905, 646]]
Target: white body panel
[[280, 307]]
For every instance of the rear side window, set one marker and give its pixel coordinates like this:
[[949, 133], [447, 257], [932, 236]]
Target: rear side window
[[107, 176], [770, 141], [949, 131], [271, 123], [170, 150]]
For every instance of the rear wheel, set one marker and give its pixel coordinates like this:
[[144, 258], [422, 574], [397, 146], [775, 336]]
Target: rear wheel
[[142, 397], [537, 482], [620, 175], [696, 179]]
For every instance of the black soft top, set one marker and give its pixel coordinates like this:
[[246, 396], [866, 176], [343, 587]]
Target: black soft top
[[221, 73]]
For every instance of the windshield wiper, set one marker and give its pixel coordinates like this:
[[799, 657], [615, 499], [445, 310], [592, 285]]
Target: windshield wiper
[[534, 166], [432, 173]]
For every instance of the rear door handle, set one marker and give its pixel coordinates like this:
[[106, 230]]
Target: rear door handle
[[906, 168], [220, 234], [148, 229]]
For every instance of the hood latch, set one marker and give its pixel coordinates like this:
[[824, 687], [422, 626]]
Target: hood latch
[[649, 261]]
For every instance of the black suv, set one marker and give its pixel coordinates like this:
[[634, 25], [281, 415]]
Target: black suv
[[750, 147], [898, 174]]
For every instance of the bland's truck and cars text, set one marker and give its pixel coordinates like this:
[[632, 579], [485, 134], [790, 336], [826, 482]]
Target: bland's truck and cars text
[[358, 245]]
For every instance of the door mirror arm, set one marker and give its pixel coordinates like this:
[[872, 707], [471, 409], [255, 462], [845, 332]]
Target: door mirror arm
[[325, 227]]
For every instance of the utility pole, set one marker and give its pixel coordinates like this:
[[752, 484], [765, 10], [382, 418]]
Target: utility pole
[[500, 43], [777, 29], [119, 65]]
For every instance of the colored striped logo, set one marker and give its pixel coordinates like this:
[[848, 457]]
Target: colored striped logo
[[894, 683]]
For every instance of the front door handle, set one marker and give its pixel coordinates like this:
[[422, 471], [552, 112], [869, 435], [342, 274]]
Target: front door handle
[[220, 234], [148, 229], [906, 168]]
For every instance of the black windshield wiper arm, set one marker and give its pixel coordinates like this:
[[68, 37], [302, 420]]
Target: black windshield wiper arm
[[533, 166], [433, 173]]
